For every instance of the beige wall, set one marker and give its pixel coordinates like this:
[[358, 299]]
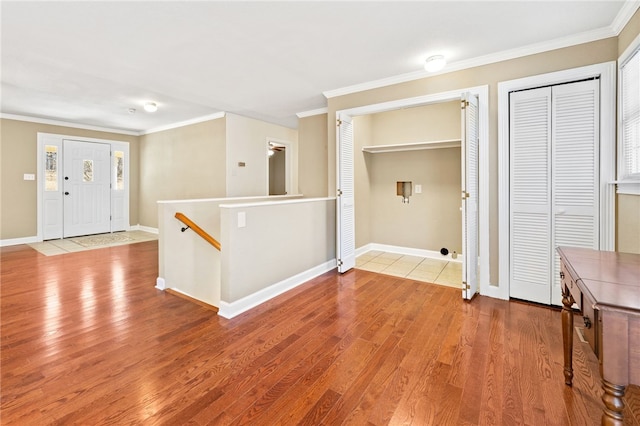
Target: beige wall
[[247, 143], [18, 198], [561, 59], [183, 163], [432, 219], [312, 156]]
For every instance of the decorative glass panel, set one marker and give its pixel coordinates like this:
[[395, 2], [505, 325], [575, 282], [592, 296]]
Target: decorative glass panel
[[87, 170], [118, 163], [51, 168]]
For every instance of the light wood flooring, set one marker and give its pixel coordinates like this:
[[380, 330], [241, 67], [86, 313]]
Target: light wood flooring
[[87, 339]]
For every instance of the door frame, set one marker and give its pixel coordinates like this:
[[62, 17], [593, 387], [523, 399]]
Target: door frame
[[482, 92], [607, 73], [288, 178], [52, 138]]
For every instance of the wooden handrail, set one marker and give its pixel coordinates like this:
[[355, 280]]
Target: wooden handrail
[[190, 224]]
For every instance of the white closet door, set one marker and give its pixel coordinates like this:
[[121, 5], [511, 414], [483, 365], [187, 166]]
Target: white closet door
[[575, 182], [345, 238], [470, 196], [530, 194]]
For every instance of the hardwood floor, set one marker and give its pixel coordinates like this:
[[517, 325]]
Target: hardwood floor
[[87, 339]]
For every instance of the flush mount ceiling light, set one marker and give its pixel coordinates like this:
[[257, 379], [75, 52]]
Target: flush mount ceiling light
[[150, 107], [435, 63]]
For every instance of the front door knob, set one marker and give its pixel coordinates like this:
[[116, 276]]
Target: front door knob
[[66, 193]]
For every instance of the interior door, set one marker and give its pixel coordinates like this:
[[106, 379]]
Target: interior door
[[345, 220], [469, 167], [554, 183], [86, 186]]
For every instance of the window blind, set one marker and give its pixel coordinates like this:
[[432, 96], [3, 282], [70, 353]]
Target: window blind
[[630, 94]]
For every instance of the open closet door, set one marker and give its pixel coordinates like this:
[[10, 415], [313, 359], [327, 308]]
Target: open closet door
[[345, 221], [469, 168]]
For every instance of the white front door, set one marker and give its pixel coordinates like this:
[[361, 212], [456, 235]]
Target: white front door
[[86, 188], [469, 151]]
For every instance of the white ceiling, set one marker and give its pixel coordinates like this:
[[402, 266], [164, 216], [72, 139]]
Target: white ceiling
[[90, 62]]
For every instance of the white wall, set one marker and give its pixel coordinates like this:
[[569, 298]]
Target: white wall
[[186, 262], [282, 244]]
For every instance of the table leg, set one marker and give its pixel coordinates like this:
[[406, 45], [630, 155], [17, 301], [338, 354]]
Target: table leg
[[613, 404], [567, 334]]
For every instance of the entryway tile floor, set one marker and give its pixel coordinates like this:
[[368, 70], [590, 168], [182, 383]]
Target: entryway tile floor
[[435, 271], [71, 245]]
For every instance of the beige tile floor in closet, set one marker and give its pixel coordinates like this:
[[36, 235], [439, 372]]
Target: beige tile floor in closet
[[429, 270]]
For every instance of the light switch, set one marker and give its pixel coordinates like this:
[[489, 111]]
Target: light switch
[[418, 189], [29, 176], [242, 219]]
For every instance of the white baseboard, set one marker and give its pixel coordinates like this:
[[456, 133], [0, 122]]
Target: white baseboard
[[144, 228], [230, 310], [16, 241], [408, 251], [160, 283]]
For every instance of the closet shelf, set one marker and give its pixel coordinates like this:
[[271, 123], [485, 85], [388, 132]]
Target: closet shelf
[[375, 149]]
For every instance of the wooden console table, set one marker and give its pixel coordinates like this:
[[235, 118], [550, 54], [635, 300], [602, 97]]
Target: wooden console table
[[606, 288]]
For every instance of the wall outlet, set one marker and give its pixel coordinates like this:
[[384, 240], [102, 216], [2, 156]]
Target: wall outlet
[[418, 189], [29, 176]]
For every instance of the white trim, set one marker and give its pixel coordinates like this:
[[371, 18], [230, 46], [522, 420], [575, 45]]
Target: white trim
[[67, 124], [161, 284], [628, 188], [232, 309], [505, 55], [626, 12], [196, 120], [607, 73], [17, 241], [145, 229], [408, 251], [312, 112], [483, 161], [41, 136]]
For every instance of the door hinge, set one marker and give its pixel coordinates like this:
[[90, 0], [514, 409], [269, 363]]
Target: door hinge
[[340, 262], [338, 122], [339, 192], [465, 194], [465, 286], [464, 104]]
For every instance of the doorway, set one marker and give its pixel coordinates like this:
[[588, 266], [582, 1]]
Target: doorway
[[278, 167], [479, 176], [83, 186]]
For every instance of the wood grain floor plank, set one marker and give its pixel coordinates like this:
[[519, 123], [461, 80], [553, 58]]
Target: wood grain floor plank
[[85, 338]]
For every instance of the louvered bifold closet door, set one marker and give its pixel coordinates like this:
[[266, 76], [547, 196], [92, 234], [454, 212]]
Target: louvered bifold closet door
[[575, 184], [345, 236], [530, 194]]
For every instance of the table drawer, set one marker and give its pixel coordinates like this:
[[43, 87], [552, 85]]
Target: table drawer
[[591, 325], [569, 281]]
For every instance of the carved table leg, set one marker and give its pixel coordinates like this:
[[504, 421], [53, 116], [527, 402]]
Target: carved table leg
[[567, 334], [613, 404]]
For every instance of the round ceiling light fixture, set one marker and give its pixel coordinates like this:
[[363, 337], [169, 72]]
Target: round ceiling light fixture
[[435, 63], [150, 107]]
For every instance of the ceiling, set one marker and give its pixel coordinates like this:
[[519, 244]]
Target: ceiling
[[90, 62]]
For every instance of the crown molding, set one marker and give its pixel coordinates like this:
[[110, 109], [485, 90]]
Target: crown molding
[[626, 12], [197, 120], [312, 112], [505, 55], [66, 124]]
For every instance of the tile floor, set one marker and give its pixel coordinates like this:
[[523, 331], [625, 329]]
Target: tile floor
[[434, 271], [54, 247]]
